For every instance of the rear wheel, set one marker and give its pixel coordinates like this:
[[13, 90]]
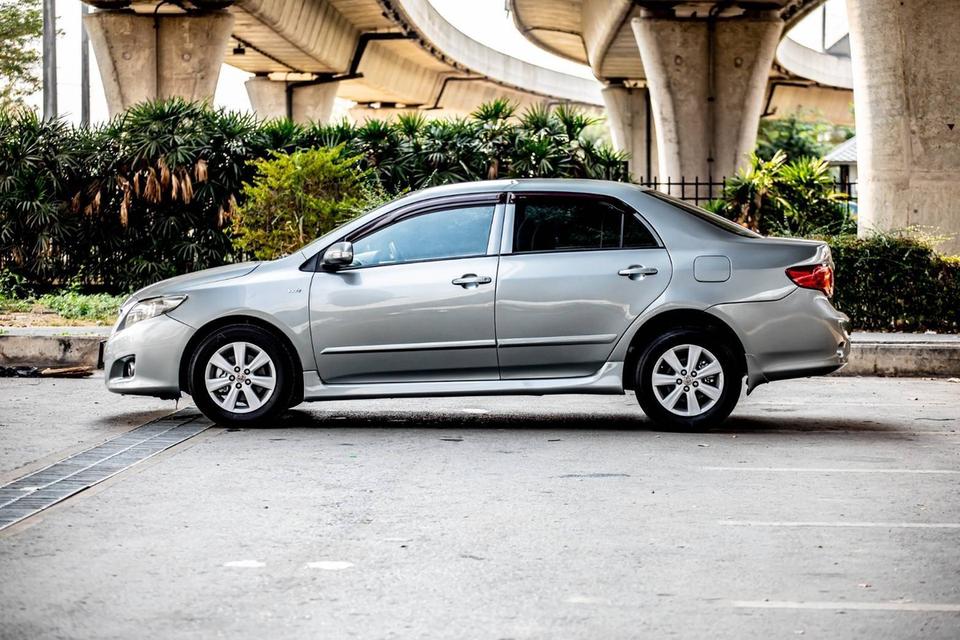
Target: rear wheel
[[240, 375], [688, 379]]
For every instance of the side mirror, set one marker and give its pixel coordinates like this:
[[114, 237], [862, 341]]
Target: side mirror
[[338, 255]]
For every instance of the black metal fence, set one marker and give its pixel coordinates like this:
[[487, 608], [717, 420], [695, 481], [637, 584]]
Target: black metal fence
[[700, 192]]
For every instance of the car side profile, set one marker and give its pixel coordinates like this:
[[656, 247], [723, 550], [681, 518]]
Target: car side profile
[[529, 287]]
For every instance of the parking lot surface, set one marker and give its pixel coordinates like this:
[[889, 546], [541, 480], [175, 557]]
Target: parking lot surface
[[824, 508]]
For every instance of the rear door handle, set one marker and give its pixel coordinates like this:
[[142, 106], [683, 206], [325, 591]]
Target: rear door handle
[[637, 272], [471, 280]]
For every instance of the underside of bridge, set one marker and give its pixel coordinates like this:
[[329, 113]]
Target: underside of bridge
[[304, 53], [690, 79]]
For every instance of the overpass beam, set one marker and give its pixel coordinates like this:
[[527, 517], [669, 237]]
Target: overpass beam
[[145, 57], [632, 129], [906, 77], [707, 81], [303, 103]]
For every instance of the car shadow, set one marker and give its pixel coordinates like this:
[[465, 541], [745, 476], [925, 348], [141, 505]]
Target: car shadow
[[570, 421]]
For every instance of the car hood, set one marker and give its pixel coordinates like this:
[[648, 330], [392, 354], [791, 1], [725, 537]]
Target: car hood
[[179, 284]]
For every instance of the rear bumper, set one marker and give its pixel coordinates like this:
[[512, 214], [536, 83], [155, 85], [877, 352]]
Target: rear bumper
[[155, 347], [797, 336]]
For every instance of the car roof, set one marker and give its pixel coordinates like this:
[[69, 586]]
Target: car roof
[[528, 184]]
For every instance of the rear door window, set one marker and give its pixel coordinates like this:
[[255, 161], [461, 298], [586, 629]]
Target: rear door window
[[575, 223]]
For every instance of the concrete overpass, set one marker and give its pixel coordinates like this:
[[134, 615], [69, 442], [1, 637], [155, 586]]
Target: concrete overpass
[[387, 54], [685, 82], [696, 75]]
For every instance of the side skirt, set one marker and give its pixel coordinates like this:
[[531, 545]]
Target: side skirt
[[608, 380]]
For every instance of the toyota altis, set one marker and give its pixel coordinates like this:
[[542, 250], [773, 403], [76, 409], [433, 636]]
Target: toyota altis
[[509, 287]]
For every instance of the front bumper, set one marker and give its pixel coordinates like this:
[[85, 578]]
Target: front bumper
[[155, 347], [794, 337]]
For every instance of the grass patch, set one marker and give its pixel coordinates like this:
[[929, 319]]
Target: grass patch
[[79, 306], [15, 305], [69, 305]]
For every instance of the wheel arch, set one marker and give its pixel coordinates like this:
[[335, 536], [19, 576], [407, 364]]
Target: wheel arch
[[219, 323], [655, 326]]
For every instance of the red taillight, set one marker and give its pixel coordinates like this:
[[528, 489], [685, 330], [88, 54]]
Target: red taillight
[[813, 276]]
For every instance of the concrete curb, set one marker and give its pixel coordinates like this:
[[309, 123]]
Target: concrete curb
[[49, 351], [903, 359], [872, 354]]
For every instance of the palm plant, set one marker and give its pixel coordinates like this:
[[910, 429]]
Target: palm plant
[[495, 133], [39, 166], [447, 153], [377, 142], [329, 135], [746, 193], [795, 198], [808, 202], [603, 162], [541, 145]]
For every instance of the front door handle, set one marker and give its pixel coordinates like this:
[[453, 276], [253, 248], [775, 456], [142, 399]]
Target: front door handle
[[637, 272], [471, 280]]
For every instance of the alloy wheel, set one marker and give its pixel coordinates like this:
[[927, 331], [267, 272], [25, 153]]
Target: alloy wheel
[[240, 377], [687, 380]]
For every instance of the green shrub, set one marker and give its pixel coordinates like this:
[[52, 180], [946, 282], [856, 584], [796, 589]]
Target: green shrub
[[14, 285], [297, 197], [890, 282]]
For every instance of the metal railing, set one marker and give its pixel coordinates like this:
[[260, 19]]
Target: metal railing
[[701, 192]]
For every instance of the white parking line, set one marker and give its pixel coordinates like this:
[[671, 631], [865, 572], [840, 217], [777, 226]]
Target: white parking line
[[848, 606], [877, 525], [330, 565], [834, 470], [244, 564]]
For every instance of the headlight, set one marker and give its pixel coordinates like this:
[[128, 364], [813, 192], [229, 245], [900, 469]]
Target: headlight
[[150, 308]]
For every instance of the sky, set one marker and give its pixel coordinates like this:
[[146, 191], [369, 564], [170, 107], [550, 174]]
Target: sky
[[484, 20]]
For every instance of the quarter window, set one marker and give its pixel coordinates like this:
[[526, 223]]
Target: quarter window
[[448, 233], [564, 223]]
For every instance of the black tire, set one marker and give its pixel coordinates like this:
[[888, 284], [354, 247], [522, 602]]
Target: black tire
[[274, 404], [725, 356]]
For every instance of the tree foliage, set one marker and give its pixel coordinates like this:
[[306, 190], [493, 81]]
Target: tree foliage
[[21, 26], [798, 136]]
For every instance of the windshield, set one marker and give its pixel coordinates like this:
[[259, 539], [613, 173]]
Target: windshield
[[706, 216]]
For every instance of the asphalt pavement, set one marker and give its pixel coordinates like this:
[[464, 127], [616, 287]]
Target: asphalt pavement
[[824, 508]]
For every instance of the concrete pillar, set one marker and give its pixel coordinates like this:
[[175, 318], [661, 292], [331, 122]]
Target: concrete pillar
[[906, 77], [310, 103], [267, 97], [632, 129], [707, 82], [142, 57]]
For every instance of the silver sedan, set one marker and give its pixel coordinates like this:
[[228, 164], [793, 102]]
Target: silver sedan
[[509, 287]]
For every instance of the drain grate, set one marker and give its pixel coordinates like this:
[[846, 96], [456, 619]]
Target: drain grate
[[42, 489]]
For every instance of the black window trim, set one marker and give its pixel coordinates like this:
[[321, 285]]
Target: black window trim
[[625, 208]]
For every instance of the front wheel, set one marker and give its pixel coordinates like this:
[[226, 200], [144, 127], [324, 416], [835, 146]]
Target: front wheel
[[240, 375], [688, 379]]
